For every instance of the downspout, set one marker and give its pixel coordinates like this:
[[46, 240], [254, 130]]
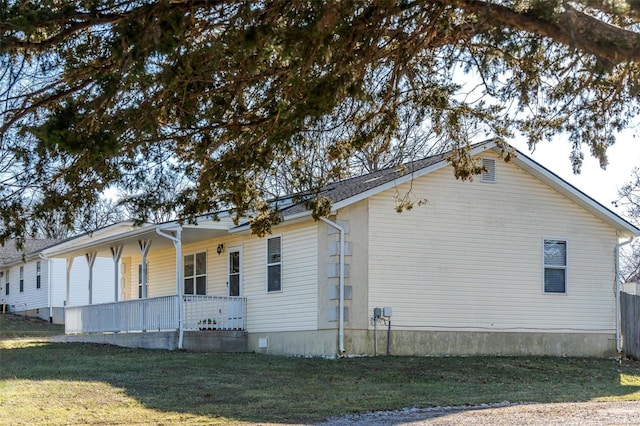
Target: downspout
[[49, 296], [618, 319], [177, 243], [341, 285]]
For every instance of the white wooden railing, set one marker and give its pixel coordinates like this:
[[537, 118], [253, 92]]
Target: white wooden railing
[[158, 314]]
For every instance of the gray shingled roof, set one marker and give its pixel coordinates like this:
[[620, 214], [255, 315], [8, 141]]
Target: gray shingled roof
[[9, 253], [351, 187]]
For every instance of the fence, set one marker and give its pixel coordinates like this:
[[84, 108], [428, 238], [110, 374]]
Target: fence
[[158, 314], [630, 324]]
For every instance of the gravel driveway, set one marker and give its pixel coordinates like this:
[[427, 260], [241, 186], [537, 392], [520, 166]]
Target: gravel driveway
[[572, 414]]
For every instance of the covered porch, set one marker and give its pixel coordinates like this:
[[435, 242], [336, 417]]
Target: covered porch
[[158, 304]]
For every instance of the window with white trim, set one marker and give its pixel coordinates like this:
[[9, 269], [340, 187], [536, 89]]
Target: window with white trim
[[488, 175], [195, 274], [21, 279], [140, 279], [38, 273], [6, 282], [274, 264], [555, 266]]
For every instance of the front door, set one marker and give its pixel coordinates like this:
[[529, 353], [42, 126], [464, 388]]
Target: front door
[[234, 306], [235, 271]]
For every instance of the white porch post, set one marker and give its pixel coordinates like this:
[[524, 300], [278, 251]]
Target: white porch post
[[69, 265], [116, 254], [177, 243], [91, 259], [66, 302], [144, 250]]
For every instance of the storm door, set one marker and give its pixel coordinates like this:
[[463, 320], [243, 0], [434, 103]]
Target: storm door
[[235, 271]]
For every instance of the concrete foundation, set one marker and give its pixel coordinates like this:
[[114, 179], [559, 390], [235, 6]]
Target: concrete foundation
[[433, 343], [195, 341], [321, 343]]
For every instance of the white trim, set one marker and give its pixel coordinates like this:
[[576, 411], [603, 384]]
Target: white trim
[[195, 274], [406, 178], [267, 264], [565, 268], [578, 196], [58, 250]]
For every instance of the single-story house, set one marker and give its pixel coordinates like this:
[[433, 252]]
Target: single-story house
[[35, 285], [515, 262]]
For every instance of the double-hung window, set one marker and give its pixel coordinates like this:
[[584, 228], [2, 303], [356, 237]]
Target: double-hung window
[[274, 264], [195, 274], [555, 266], [21, 279]]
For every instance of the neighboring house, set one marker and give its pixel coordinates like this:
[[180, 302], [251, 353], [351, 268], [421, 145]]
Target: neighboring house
[[516, 261], [34, 285]]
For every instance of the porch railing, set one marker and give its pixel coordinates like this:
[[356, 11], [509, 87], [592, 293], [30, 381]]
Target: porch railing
[[214, 313], [158, 314], [154, 314]]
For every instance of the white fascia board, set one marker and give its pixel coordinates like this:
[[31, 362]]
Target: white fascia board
[[56, 251], [287, 220], [578, 196], [222, 224], [73, 241]]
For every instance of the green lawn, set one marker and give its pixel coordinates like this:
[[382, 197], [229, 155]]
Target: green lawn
[[55, 383], [19, 326]]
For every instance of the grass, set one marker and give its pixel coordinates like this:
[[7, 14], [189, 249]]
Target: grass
[[20, 326], [55, 383]]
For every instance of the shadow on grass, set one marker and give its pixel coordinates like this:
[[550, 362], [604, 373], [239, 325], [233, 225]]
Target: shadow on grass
[[260, 388]]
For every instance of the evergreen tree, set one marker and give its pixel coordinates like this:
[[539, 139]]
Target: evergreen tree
[[95, 93]]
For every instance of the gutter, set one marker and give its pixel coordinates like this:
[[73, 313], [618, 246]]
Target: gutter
[[617, 281], [177, 243], [341, 285]]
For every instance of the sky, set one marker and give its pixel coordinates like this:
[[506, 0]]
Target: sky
[[601, 185]]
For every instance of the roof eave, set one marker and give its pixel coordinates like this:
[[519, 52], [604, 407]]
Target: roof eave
[[577, 196]]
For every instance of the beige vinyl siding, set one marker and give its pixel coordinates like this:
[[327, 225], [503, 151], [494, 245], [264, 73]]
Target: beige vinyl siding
[[471, 258], [162, 269], [294, 308]]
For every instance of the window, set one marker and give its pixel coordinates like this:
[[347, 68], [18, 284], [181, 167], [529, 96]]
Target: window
[[195, 274], [21, 279], [555, 266], [6, 282], [489, 173], [274, 264], [38, 269], [140, 279]]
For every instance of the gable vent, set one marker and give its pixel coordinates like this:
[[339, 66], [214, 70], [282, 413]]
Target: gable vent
[[489, 175]]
